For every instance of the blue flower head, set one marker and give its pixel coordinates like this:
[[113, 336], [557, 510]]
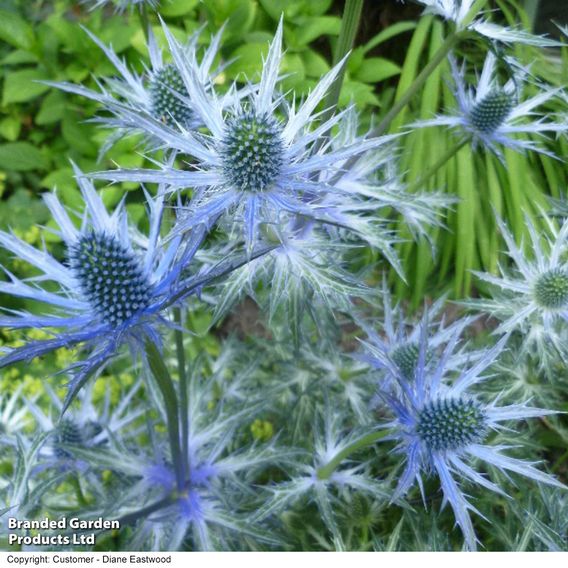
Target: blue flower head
[[157, 96], [396, 351], [493, 115], [110, 290], [88, 424], [531, 296], [260, 158], [439, 427], [212, 502]]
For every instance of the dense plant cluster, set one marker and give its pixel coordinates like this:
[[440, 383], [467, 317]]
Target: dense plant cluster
[[221, 348]]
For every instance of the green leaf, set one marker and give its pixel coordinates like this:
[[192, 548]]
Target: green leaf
[[138, 41], [317, 7], [22, 210], [19, 57], [293, 66], [355, 60], [387, 34], [10, 128], [310, 29], [76, 72], [358, 93], [175, 8], [78, 134], [238, 15], [314, 64], [117, 34], [64, 182], [258, 36], [22, 157], [248, 60], [15, 30], [376, 69], [52, 108], [21, 86], [275, 8], [70, 35]]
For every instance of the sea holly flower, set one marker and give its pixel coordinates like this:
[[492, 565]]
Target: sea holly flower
[[492, 115], [254, 163], [157, 95], [305, 274], [465, 16], [440, 427], [204, 509], [531, 297], [85, 425], [396, 350], [112, 289]]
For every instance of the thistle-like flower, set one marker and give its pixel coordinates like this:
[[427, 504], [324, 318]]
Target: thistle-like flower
[[462, 14], [87, 425], [157, 95], [492, 115], [531, 296], [254, 162], [439, 427], [395, 352], [109, 291]]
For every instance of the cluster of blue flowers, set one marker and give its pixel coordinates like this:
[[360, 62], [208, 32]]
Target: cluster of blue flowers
[[293, 189]]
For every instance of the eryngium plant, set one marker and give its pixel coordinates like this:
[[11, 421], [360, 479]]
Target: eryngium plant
[[278, 441]]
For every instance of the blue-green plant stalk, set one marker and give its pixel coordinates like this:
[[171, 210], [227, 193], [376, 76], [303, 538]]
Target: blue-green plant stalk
[[440, 163], [183, 389], [144, 21], [449, 44], [166, 385]]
